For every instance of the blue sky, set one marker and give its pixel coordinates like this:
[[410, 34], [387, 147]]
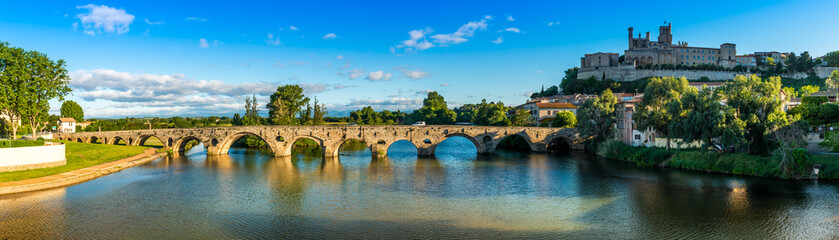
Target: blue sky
[[164, 58]]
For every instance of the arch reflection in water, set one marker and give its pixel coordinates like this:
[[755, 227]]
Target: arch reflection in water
[[456, 148]]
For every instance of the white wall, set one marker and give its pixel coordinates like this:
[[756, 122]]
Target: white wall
[[21, 158]]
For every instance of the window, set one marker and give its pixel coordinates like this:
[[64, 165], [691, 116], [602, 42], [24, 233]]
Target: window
[[637, 137]]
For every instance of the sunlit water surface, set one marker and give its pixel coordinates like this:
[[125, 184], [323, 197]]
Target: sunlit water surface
[[458, 194]]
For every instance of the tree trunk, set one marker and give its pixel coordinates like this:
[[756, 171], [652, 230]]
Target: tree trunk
[[14, 130], [668, 142]]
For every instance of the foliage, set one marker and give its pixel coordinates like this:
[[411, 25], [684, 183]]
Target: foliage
[[570, 84], [734, 163], [831, 83], [807, 90], [29, 81], [521, 117], [286, 104], [319, 113], [157, 123], [789, 139], [641, 156], [831, 141], [790, 92], [466, 112], [72, 109], [697, 116], [491, 114], [251, 117], [832, 59], [22, 143], [758, 105], [815, 112], [596, 117], [434, 111], [551, 91], [564, 119], [652, 110]]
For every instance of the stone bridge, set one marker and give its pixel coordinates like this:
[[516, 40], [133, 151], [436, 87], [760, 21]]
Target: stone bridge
[[217, 140]]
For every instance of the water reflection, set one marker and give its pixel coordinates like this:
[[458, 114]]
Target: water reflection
[[249, 194]]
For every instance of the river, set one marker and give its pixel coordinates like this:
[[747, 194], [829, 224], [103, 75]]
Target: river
[[457, 194]]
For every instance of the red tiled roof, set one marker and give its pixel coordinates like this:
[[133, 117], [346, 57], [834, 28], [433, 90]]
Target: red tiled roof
[[66, 119], [555, 105]]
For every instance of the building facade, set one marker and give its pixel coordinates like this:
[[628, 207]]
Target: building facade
[[66, 125], [599, 60], [546, 111], [644, 51]]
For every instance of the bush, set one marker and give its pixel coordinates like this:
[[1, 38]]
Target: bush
[[641, 156]]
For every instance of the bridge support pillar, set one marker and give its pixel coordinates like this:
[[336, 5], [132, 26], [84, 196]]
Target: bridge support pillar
[[427, 151]]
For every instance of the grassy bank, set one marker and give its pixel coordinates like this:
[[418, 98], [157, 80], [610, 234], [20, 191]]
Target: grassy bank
[[79, 155], [731, 163], [21, 143]]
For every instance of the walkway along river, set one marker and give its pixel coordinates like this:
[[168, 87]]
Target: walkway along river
[[458, 193]]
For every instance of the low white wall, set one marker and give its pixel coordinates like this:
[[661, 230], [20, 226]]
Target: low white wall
[[23, 158]]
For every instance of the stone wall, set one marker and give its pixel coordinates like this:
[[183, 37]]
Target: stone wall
[[25, 158], [630, 73]]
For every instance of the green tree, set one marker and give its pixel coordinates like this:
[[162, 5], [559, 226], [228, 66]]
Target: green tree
[[434, 111], [652, 111], [286, 104], [564, 119], [832, 81], [466, 112], [491, 114], [251, 117], [790, 91], [700, 116], [757, 102], [521, 117], [596, 117], [72, 109], [319, 113], [807, 90], [28, 81], [831, 59]]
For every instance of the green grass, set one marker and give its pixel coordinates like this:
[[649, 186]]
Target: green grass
[[79, 155], [21, 143]]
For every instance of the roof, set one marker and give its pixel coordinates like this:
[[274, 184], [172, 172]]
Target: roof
[[555, 105], [66, 119]]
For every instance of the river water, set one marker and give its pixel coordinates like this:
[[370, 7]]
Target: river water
[[457, 194]]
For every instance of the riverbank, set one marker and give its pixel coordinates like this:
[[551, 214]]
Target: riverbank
[[85, 161], [728, 163]]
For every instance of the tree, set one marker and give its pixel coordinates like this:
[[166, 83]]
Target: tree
[[467, 112], [832, 81], [434, 111], [596, 117], [286, 104], [790, 91], [831, 59], [29, 80], [564, 119], [756, 101], [788, 134], [306, 115], [319, 113], [251, 117], [491, 114], [652, 111], [72, 109], [700, 116], [807, 90], [521, 117], [237, 120]]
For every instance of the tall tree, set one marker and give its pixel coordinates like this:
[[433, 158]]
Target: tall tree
[[756, 101], [699, 116], [286, 104], [831, 59], [251, 117], [652, 111], [434, 110], [491, 114], [30, 80], [596, 117], [72, 109], [319, 113]]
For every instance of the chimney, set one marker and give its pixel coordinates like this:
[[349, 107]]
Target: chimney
[[648, 35]]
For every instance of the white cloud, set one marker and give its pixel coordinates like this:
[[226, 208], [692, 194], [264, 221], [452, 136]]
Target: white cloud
[[391, 104], [129, 94], [413, 74], [419, 42], [154, 23], [553, 23], [353, 74], [498, 41], [330, 36], [515, 30], [196, 19], [203, 43], [424, 92], [339, 57], [510, 18], [444, 84], [527, 94], [280, 63], [101, 18], [488, 17], [293, 28], [273, 40], [379, 76]]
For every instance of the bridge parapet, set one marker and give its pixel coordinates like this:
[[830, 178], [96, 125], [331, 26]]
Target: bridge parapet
[[217, 140]]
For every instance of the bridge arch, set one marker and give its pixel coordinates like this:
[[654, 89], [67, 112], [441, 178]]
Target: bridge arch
[[558, 143], [115, 140], [524, 137], [143, 138], [95, 139], [224, 144], [289, 145], [386, 148], [180, 144], [336, 148]]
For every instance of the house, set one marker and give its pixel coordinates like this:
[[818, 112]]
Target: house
[[546, 111], [66, 125]]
